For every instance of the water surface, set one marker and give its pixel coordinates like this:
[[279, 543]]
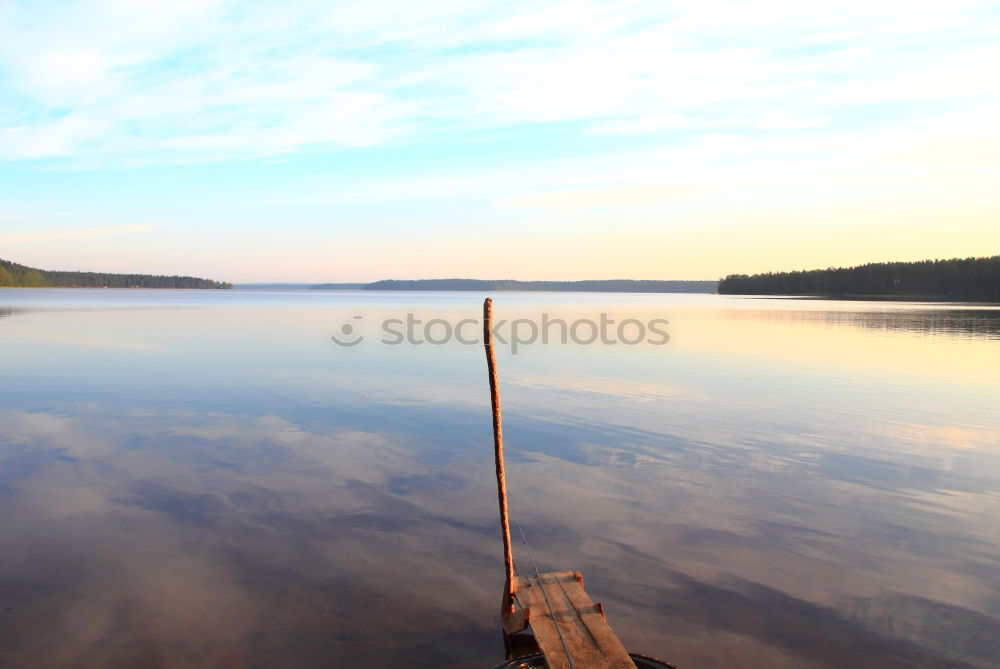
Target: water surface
[[206, 479]]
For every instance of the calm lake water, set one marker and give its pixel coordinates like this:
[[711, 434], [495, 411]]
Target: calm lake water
[[206, 479]]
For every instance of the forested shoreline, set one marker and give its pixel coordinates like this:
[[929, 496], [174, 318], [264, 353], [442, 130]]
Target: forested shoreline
[[13, 275], [597, 286], [976, 279]]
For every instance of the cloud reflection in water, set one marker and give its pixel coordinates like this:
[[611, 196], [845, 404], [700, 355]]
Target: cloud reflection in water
[[251, 497]]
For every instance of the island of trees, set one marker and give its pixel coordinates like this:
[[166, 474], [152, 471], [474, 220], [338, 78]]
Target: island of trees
[[976, 279], [20, 276], [483, 285]]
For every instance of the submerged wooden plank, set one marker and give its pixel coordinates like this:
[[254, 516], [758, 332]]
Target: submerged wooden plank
[[560, 612], [515, 622]]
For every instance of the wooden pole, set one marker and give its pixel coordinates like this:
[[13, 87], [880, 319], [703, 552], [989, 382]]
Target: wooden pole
[[507, 606]]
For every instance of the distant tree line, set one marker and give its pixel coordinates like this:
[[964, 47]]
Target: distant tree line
[[337, 286], [483, 285], [14, 275], [956, 279]]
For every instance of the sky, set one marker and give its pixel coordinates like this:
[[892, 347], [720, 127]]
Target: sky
[[356, 141]]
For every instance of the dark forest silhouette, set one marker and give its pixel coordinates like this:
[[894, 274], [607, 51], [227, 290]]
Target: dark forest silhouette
[[20, 276], [956, 279]]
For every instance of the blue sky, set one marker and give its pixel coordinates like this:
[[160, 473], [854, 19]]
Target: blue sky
[[333, 141]]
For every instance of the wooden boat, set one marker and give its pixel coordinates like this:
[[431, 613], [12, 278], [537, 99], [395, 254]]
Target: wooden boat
[[547, 619]]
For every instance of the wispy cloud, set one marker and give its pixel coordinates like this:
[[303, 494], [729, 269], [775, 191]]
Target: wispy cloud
[[78, 234], [638, 125], [218, 79], [596, 197]]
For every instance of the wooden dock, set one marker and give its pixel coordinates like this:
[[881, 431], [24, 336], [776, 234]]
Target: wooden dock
[[569, 628], [565, 625]]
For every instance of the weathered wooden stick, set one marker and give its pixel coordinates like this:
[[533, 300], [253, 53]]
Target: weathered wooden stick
[[507, 606]]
